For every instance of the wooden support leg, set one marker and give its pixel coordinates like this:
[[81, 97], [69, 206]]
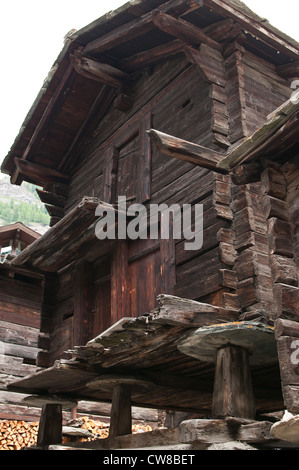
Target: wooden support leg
[[50, 426], [121, 416], [233, 393]]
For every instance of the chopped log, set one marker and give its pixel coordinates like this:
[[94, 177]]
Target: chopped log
[[286, 328], [287, 301], [184, 30], [187, 151]]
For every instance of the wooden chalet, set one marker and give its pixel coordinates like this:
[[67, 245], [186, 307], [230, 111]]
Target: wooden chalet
[[20, 304], [177, 102]]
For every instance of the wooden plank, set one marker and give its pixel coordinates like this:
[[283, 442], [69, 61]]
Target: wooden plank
[[184, 30], [186, 151]]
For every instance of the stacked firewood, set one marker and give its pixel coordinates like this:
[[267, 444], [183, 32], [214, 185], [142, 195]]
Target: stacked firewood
[[14, 435]]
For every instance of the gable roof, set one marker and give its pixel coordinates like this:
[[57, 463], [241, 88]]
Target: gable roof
[[113, 47]]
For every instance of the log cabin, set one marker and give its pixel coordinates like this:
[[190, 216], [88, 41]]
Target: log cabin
[[20, 303], [178, 102]]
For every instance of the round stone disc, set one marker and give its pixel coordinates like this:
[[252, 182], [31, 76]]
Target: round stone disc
[[257, 338]]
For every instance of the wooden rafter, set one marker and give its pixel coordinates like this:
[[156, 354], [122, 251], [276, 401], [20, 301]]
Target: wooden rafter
[[184, 30], [137, 27], [120, 35], [187, 151], [40, 173], [42, 126], [97, 71], [252, 26]]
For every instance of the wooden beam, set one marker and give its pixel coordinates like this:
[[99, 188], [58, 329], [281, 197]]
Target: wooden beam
[[173, 310], [259, 142], [39, 173], [187, 151], [151, 56], [42, 126], [184, 31], [97, 71], [120, 35], [50, 198]]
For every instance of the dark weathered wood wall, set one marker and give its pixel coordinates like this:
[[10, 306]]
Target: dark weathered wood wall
[[206, 98], [20, 301]]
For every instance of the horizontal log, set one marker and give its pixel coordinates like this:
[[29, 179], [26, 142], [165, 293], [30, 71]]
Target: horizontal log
[[286, 328], [50, 198], [177, 311], [186, 151], [120, 35], [151, 56]]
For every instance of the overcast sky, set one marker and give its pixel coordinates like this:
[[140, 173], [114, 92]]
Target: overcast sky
[[32, 32]]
